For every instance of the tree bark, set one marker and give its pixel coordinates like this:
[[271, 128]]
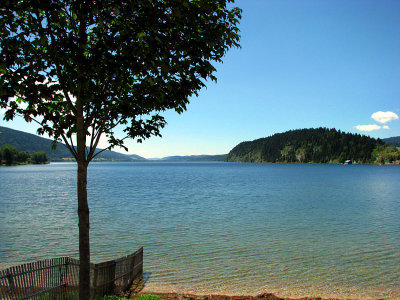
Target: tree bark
[[84, 241], [83, 207]]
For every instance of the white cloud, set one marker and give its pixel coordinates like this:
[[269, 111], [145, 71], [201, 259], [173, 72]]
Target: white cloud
[[385, 127], [371, 127], [384, 116]]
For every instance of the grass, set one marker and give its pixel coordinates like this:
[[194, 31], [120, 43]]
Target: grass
[[148, 297]]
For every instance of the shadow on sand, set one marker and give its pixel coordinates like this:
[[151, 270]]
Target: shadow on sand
[[137, 285]]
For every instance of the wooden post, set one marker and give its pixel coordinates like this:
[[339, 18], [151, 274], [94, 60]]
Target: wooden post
[[11, 283], [95, 275], [111, 271]]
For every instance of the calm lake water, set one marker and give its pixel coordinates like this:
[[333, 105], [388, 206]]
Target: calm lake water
[[290, 229]]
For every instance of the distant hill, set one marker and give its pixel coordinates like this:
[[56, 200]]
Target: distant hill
[[220, 157], [393, 141], [32, 143], [135, 157], [320, 145]]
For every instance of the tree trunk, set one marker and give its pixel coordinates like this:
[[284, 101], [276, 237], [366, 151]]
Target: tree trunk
[[83, 207], [84, 244]]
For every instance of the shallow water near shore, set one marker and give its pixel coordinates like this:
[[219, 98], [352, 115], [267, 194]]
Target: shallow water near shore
[[290, 229]]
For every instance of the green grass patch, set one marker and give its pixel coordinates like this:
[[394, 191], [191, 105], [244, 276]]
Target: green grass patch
[[113, 297]]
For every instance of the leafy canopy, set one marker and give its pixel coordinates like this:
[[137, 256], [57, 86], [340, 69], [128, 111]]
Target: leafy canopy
[[124, 61]]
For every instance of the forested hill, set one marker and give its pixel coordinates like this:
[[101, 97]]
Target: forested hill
[[220, 157], [321, 145], [393, 141], [32, 143]]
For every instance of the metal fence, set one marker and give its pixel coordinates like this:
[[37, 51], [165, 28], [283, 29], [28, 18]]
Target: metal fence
[[58, 278]]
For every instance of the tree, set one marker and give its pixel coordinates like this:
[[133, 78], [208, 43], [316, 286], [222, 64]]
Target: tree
[[80, 67], [9, 154], [22, 156], [39, 158]]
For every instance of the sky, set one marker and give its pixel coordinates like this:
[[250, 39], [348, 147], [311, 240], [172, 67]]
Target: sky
[[302, 64]]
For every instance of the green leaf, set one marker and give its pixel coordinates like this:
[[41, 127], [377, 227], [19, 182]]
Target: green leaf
[[141, 35]]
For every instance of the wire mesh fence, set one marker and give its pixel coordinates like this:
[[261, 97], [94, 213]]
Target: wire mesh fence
[[58, 278]]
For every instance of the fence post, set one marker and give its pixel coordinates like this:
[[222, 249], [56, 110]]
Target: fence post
[[64, 278], [61, 273], [111, 287], [11, 283], [95, 274]]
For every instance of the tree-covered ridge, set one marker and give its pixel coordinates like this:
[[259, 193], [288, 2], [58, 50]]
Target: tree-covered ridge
[[32, 143], [393, 141], [219, 157], [320, 145]]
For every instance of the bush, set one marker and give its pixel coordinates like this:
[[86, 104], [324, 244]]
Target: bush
[[22, 157], [39, 158], [9, 154]]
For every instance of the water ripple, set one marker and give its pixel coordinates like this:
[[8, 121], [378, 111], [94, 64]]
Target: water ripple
[[295, 230]]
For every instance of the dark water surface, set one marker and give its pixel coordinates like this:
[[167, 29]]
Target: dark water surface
[[290, 229]]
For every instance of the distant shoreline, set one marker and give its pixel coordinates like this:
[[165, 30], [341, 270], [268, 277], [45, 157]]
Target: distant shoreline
[[24, 164], [396, 163]]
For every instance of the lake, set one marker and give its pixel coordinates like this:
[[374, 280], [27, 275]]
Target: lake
[[289, 229]]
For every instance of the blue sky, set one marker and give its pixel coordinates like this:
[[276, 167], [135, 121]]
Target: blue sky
[[302, 64]]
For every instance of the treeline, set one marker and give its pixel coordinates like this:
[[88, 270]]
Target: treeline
[[393, 141], [10, 155], [320, 145], [32, 143]]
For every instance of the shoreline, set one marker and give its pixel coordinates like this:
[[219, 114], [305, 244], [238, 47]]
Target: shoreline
[[227, 296], [184, 296], [141, 287]]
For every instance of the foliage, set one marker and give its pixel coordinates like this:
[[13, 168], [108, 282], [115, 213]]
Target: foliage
[[23, 156], [321, 145], [386, 155], [10, 155], [113, 297], [39, 158], [393, 141], [123, 62]]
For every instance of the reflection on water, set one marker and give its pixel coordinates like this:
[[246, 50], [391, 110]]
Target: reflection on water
[[231, 228]]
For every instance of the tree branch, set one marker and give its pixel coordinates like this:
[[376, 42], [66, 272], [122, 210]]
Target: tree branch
[[108, 148], [96, 137], [94, 146], [65, 92], [92, 138], [70, 148], [32, 119]]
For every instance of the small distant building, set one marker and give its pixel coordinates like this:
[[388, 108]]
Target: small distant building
[[347, 162]]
